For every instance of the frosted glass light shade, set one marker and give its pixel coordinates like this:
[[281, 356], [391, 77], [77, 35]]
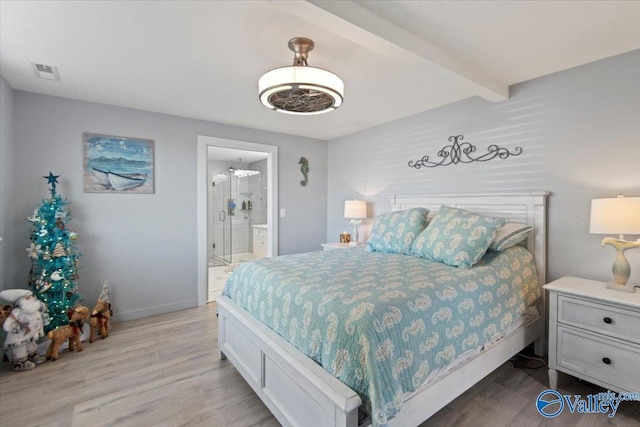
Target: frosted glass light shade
[[355, 209], [617, 215], [292, 90]]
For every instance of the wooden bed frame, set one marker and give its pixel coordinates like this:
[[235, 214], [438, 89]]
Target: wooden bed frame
[[299, 392]]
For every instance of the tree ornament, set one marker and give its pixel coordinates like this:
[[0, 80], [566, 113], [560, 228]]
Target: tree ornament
[[41, 285], [58, 251], [35, 217], [56, 275], [73, 235], [34, 250], [45, 287], [59, 224], [46, 255], [61, 213]]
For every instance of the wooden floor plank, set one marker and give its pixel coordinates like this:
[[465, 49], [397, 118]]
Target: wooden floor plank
[[166, 371]]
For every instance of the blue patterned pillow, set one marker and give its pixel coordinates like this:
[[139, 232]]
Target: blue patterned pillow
[[457, 237], [394, 232]]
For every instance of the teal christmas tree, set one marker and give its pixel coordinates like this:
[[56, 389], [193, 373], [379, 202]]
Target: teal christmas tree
[[54, 258]]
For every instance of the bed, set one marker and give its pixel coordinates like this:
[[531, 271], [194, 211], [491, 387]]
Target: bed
[[299, 391]]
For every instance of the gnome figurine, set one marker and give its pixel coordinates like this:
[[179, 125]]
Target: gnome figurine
[[24, 327]]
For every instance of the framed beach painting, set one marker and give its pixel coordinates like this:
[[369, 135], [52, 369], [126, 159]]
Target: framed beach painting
[[117, 164]]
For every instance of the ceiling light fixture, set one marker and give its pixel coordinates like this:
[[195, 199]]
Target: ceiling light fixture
[[300, 89]]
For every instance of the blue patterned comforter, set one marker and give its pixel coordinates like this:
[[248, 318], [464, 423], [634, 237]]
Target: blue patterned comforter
[[381, 322]]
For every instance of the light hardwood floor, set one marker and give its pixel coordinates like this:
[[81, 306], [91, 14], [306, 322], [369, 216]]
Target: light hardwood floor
[[166, 371]]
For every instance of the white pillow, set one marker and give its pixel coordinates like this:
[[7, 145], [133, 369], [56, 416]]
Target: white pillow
[[509, 235]]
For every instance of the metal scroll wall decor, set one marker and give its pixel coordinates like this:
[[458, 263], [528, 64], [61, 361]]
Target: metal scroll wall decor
[[461, 152]]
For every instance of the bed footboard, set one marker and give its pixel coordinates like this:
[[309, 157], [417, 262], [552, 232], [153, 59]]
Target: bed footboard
[[295, 389], [301, 393], [437, 395]]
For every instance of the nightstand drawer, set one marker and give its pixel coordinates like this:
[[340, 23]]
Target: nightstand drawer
[[599, 318], [589, 356]]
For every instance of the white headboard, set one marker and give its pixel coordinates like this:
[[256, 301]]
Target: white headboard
[[526, 208]]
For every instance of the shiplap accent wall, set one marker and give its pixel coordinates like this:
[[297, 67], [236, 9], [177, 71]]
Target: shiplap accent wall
[[579, 130]]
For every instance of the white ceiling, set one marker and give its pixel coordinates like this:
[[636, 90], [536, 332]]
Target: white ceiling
[[233, 155], [202, 59]]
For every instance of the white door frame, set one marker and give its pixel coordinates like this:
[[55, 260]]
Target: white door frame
[[272, 197]]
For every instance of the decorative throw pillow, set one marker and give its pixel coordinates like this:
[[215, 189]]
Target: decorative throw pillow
[[394, 232], [456, 237], [509, 235]]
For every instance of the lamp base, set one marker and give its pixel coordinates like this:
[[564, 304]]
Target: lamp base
[[624, 288], [355, 223], [621, 268]]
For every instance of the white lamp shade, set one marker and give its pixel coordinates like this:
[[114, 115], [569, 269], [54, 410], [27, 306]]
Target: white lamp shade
[[311, 78], [355, 209], [618, 215]]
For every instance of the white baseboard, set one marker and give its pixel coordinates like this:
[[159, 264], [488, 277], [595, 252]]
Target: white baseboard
[[121, 316]]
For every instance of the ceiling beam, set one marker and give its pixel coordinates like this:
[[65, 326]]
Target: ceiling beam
[[361, 26]]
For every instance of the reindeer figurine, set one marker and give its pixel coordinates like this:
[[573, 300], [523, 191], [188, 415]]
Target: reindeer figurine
[[101, 314], [72, 332], [100, 320]]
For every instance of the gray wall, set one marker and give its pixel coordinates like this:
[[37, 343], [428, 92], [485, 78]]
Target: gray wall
[[6, 176], [579, 130], [143, 245]]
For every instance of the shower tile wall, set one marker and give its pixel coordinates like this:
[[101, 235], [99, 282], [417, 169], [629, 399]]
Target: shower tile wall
[[249, 189], [259, 215]]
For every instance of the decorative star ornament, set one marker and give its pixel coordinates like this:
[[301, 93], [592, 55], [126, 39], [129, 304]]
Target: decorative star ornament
[[52, 180]]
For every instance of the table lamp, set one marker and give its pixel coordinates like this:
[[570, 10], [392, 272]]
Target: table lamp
[[619, 215], [355, 210]]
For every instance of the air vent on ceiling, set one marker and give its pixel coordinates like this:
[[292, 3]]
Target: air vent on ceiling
[[47, 72]]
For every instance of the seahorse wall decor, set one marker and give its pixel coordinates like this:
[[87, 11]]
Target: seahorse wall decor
[[304, 168]]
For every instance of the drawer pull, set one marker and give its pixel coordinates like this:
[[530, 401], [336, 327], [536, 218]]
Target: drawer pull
[[606, 361], [607, 320]]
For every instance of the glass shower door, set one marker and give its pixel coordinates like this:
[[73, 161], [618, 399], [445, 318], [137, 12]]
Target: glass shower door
[[226, 212], [233, 208]]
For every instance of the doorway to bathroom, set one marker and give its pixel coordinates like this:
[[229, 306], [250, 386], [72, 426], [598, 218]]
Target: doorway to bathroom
[[238, 205], [237, 184]]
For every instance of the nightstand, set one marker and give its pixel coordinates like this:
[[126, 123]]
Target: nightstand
[[332, 246], [594, 334]]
